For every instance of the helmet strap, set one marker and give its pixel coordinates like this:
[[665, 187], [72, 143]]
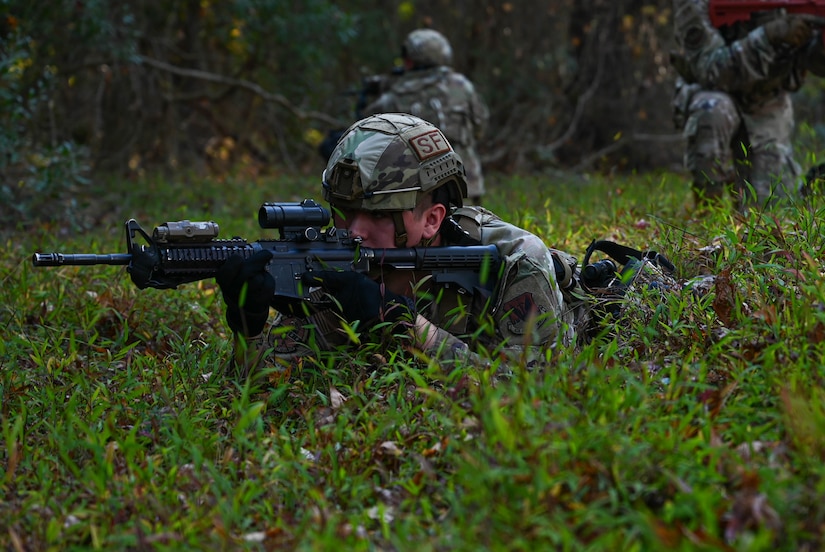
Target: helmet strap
[[400, 229]]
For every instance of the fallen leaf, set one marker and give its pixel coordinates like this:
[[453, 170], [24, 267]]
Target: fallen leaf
[[336, 398], [389, 447], [384, 514], [725, 299]]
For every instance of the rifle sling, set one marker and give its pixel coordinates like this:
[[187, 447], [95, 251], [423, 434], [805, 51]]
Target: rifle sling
[[624, 254]]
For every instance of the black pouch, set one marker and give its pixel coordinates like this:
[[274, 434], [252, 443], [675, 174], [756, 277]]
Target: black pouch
[[608, 280]]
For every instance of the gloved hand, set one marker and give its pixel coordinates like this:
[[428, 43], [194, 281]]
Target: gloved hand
[[792, 31], [247, 289], [361, 298]]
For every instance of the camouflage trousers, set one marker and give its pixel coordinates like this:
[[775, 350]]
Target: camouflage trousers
[[728, 148]]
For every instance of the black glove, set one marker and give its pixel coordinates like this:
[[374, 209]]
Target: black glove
[[790, 31], [361, 298], [247, 289]]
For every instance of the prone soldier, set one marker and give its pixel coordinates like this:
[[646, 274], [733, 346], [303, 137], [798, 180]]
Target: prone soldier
[[394, 180]]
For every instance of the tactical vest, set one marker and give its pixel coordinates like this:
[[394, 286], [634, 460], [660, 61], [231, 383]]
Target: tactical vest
[[440, 97]]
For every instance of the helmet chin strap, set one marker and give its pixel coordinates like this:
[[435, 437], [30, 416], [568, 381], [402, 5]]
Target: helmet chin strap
[[400, 229], [401, 237]]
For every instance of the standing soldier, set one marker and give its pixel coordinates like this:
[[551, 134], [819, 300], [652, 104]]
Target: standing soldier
[[431, 90], [733, 100]]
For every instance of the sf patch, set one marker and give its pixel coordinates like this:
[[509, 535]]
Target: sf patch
[[430, 144]]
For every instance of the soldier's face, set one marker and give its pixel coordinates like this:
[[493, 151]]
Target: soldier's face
[[377, 228]]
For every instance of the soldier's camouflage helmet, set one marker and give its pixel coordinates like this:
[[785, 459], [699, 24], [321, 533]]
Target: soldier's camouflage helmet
[[388, 162], [427, 48]]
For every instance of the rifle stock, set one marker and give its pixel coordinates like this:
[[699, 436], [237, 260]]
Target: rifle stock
[[182, 252]]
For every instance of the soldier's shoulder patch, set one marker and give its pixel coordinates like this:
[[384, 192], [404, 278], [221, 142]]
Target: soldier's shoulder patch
[[429, 144], [518, 310], [520, 307]]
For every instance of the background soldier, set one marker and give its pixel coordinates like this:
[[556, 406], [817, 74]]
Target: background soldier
[[733, 100], [431, 90]]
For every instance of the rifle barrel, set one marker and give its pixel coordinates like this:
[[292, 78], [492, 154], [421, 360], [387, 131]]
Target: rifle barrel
[[61, 259]]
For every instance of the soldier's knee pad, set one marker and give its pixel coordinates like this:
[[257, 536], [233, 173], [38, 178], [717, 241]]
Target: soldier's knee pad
[[712, 116]]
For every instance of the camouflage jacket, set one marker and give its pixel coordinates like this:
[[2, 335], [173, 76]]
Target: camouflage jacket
[[530, 309], [446, 99], [741, 62]]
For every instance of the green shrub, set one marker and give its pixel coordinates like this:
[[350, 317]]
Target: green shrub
[[39, 176]]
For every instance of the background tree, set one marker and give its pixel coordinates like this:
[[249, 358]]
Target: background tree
[[214, 86]]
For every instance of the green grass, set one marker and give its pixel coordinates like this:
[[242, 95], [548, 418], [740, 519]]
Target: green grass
[[697, 423]]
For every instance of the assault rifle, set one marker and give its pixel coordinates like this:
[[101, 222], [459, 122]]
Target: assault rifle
[[729, 12], [371, 88], [181, 252]]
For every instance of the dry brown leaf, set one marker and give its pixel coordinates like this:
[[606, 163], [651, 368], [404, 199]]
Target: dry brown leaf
[[389, 447], [750, 511], [725, 299], [336, 398]]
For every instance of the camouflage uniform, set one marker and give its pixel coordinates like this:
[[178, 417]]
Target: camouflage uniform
[[733, 90], [390, 163], [531, 307], [441, 96]]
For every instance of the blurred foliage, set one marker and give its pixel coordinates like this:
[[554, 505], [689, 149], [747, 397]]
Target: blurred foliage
[[255, 83], [39, 168], [251, 87]]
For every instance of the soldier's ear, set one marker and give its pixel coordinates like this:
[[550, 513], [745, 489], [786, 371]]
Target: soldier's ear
[[433, 217]]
